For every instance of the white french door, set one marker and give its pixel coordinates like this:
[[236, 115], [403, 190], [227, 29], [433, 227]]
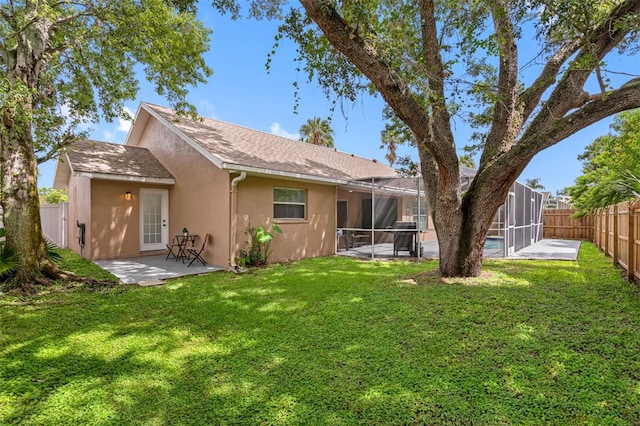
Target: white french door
[[154, 218]]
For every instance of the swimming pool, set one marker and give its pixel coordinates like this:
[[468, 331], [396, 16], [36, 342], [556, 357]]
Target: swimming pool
[[494, 243]]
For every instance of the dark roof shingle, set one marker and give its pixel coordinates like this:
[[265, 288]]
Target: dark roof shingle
[[237, 145], [114, 159]]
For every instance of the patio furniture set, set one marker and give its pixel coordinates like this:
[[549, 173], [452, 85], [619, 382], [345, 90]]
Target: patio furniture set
[[180, 251]]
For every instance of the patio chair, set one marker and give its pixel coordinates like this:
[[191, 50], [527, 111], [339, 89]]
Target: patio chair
[[195, 254], [174, 245]]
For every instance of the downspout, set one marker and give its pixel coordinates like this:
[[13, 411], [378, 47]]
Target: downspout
[[232, 217]]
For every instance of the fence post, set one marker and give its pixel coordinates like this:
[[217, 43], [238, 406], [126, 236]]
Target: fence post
[[605, 245], [596, 228], [631, 270], [615, 254]]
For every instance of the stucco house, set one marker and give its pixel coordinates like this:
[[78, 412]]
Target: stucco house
[[217, 178]]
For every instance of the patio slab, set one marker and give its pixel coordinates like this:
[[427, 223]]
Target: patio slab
[[548, 249], [152, 270]]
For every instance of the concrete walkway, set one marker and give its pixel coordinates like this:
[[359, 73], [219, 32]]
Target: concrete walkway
[[550, 249], [152, 270]]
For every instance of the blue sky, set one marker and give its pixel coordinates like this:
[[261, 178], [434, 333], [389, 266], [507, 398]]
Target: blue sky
[[242, 92]]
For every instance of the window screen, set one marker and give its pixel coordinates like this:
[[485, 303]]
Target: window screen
[[289, 203]]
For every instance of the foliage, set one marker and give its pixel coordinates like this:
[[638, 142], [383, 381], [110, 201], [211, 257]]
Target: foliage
[[90, 49], [8, 258], [53, 196], [467, 160], [331, 341], [54, 254], [610, 166], [407, 167], [317, 131], [264, 237], [68, 64], [258, 251]]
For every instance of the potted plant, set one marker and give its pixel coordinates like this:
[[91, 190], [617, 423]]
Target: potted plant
[[185, 231]]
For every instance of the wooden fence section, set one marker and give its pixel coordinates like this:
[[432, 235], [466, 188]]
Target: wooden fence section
[[561, 224], [617, 233], [614, 229]]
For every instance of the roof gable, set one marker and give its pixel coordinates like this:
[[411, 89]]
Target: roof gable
[[235, 147]]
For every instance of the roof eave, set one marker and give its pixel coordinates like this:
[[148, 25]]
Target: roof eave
[[127, 178], [282, 174]]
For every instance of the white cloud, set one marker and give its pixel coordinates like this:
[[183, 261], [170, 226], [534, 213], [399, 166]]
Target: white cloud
[[109, 136], [125, 125], [276, 129], [206, 109]]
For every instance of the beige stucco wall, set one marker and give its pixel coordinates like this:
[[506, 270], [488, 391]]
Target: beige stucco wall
[[199, 200], [79, 211], [312, 237], [115, 224]]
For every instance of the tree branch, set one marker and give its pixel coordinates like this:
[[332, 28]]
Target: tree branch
[[65, 142], [569, 93], [533, 141], [441, 122], [625, 98], [389, 83], [531, 97], [507, 119]]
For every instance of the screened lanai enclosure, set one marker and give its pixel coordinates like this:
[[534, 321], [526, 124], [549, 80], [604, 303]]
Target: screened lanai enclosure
[[388, 217]]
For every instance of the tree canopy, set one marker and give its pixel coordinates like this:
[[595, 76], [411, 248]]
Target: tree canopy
[[53, 196], [66, 64], [519, 73], [610, 166], [74, 62]]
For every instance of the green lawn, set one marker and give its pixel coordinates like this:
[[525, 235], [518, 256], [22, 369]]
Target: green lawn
[[331, 341]]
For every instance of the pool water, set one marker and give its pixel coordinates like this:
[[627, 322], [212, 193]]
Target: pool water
[[494, 243]]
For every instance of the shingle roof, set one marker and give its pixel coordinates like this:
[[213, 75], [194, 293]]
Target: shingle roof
[[235, 145], [114, 159]]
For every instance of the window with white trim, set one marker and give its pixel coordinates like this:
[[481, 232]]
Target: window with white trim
[[289, 203]]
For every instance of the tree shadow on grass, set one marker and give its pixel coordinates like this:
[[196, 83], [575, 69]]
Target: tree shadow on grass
[[324, 341]]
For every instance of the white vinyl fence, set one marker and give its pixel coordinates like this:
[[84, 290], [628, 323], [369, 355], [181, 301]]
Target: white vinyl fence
[[54, 222], [54, 219]]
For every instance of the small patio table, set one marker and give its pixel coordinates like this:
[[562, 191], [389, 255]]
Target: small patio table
[[182, 240]]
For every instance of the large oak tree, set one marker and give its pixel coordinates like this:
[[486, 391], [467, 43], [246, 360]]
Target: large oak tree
[[436, 61], [66, 63]]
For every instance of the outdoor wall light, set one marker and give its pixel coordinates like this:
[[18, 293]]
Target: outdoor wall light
[[127, 195]]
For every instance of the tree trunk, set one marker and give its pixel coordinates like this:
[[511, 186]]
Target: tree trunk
[[462, 222], [20, 202]]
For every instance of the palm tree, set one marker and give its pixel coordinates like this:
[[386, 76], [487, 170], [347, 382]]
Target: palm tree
[[534, 184], [466, 160], [317, 131]]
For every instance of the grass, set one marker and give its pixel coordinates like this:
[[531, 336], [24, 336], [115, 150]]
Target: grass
[[332, 341]]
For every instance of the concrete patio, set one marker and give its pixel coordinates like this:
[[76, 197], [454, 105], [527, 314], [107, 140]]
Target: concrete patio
[[152, 270], [547, 249]]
